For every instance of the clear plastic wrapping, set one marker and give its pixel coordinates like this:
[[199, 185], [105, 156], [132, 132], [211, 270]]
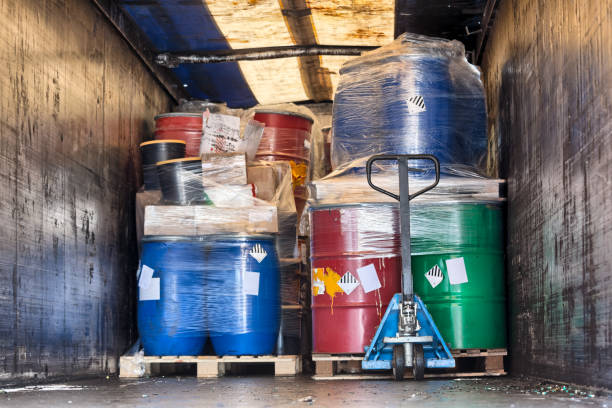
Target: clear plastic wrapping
[[303, 148], [222, 134], [181, 181], [224, 168], [290, 284], [223, 286], [351, 186], [192, 220], [416, 95], [199, 106], [372, 230], [226, 208]]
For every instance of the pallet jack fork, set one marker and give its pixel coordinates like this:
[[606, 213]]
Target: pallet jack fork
[[407, 335]]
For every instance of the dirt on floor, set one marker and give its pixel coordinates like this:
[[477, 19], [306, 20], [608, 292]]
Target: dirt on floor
[[269, 391]]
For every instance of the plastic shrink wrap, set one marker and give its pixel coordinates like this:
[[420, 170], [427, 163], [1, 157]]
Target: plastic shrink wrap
[[417, 95], [222, 286], [218, 261], [457, 247]]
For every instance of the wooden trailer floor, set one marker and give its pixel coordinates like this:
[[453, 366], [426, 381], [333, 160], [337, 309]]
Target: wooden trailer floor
[[300, 392]]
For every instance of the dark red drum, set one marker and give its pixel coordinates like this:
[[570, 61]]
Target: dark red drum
[[286, 136], [356, 269], [181, 126]]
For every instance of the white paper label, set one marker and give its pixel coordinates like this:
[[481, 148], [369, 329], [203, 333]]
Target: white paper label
[[434, 276], [146, 274], [456, 271], [369, 278], [251, 283], [221, 134], [318, 287], [151, 292], [258, 253], [348, 283]]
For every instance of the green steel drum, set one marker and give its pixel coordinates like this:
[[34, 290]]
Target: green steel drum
[[470, 314]]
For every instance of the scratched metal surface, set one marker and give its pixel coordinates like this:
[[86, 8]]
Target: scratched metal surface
[[548, 70], [74, 104]]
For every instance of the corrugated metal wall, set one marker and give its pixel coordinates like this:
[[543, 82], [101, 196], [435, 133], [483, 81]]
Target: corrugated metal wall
[[74, 103], [548, 74]]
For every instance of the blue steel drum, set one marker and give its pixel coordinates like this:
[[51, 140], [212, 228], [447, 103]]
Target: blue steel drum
[[171, 318], [413, 99], [243, 295]]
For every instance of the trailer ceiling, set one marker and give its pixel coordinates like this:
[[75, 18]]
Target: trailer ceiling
[[213, 25]]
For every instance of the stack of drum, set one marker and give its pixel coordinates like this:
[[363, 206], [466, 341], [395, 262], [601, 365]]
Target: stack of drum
[[416, 96], [347, 307], [191, 288], [222, 287]]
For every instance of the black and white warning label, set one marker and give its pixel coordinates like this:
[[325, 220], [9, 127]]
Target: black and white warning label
[[434, 276], [416, 104]]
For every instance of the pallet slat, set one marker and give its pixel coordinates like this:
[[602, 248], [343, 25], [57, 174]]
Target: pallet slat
[[488, 362], [207, 366], [407, 376]]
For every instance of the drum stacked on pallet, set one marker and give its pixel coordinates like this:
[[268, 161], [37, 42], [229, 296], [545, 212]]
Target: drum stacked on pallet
[[214, 241], [417, 95]]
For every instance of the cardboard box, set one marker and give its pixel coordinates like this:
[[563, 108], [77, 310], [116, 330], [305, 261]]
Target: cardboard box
[[143, 199], [220, 220], [169, 220], [206, 219], [264, 178]]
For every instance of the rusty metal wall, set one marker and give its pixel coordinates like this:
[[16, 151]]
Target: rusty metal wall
[[74, 104], [548, 76]]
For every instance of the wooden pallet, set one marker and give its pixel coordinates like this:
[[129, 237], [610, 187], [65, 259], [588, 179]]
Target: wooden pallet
[[482, 362], [207, 366]]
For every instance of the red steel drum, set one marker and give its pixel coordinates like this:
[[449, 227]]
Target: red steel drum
[[182, 126], [356, 269], [286, 136]]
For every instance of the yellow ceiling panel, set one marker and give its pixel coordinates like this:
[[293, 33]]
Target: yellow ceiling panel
[[353, 22], [333, 64], [274, 80], [250, 23]]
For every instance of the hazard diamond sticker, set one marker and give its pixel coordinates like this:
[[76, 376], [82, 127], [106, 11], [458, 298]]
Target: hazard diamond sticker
[[434, 276], [258, 253], [416, 104], [348, 283]]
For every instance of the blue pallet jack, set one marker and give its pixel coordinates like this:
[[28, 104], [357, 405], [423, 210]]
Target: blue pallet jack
[[407, 335]]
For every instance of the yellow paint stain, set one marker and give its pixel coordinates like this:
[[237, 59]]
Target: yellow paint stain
[[330, 279]]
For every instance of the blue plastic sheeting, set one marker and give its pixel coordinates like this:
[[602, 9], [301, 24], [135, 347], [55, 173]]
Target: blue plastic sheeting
[[173, 26]]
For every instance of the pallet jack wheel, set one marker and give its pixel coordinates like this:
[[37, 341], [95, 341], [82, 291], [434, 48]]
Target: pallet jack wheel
[[418, 362], [399, 363]]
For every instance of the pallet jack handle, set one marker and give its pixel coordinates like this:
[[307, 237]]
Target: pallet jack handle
[[404, 198]]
